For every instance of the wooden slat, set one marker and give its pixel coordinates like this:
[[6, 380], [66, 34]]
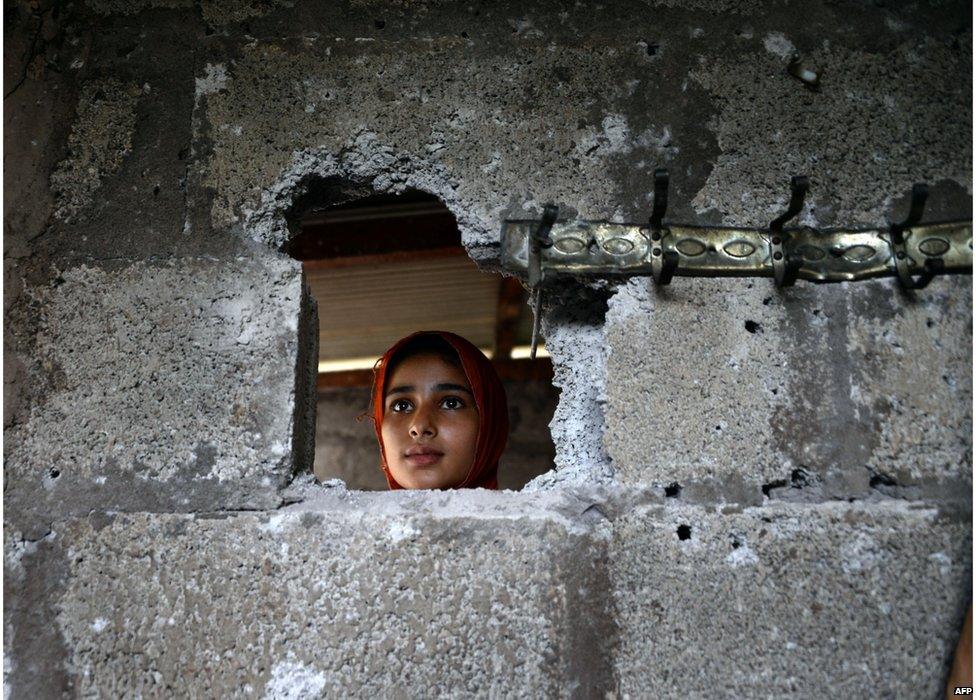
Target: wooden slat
[[395, 256], [364, 309], [539, 369], [511, 297]]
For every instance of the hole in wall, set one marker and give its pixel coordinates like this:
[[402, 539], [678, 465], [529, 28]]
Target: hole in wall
[[880, 479], [768, 488], [684, 532], [382, 266]]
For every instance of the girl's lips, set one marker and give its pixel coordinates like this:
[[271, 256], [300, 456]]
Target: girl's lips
[[423, 460]]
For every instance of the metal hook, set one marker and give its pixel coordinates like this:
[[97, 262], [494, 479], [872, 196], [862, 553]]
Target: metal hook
[[920, 193], [785, 266], [549, 214], [540, 240], [661, 181], [664, 262]]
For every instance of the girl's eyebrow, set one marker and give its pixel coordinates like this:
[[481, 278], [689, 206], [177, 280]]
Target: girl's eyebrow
[[453, 387], [407, 388]]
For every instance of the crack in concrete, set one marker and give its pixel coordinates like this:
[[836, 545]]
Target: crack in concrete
[[31, 55]]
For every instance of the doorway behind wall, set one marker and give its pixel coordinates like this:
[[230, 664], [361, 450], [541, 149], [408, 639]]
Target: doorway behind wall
[[359, 259]]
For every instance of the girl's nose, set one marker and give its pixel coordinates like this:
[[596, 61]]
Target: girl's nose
[[422, 425]]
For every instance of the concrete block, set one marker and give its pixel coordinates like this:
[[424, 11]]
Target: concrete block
[[811, 600], [99, 141], [388, 595], [176, 385], [731, 380]]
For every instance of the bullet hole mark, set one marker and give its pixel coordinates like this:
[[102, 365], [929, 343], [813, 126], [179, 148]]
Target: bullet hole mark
[[672, 490], [379, 24], [800, 477], [464, 35], [767, 301], [929, 323], [652, 49], [753, 327], [882, 479], [684, 532], [736, 543], [595, 511], [54, 472], [156, 191]]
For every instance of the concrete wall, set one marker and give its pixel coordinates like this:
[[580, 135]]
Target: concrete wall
[[740, 511]]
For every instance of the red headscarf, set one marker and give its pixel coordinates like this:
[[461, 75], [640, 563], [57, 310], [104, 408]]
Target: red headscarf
[[489, 396]]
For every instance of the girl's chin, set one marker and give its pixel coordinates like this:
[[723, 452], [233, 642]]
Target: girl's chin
[[422, 478]]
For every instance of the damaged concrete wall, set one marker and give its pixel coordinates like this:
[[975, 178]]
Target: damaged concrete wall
[[756, 490]]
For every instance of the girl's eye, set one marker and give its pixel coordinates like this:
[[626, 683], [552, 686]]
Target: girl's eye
[[399, 405], [452, 402]]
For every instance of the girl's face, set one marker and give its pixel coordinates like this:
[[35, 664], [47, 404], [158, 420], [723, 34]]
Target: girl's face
[[430, 424]]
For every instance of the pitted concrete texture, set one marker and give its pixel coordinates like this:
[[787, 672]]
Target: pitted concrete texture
[[335, 107], [100, 138], [214, 12], [574, 332], [847, 383], [916, 378], [879, 122], [812, 601], [690, 390], [132, 7], [168, 391], [176, 378], [350, 594]]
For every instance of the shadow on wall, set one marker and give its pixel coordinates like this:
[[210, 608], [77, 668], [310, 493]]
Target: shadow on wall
[[347, 449]]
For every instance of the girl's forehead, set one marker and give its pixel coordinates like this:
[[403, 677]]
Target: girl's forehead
[[420, 371]]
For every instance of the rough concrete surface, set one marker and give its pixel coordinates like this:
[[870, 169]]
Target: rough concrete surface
[[100, 139], [347, 594], [689, 390], [732, 378], [159, 350], [177, 378], [811, 601], [882, 105]]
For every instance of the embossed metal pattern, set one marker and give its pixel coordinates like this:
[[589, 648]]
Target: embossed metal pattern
[[608, 249]]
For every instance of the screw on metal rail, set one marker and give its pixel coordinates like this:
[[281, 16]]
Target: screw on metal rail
[[899, 234], [540, 239], [663, 260], [786, 266]]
